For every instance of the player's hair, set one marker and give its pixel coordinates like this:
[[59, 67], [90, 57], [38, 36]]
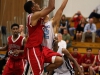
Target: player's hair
[[75, 48], [27, 6], [15, 24], [89, 49], [55, 45]]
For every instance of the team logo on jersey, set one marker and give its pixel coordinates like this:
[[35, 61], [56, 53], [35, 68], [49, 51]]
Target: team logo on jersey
[[10, 52], [46, 32], [14, 46]]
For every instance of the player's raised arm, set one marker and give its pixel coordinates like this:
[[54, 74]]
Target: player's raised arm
[[59, 12], [33, 8], [43, 12], [47, 10]]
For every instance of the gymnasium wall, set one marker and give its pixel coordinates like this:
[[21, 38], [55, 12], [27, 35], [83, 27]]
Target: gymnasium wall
[[85, 6], [12, 11]]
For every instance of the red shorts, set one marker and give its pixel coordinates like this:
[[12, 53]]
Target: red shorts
[[48, 54], [37, 56], [14, 67], [86, 69]]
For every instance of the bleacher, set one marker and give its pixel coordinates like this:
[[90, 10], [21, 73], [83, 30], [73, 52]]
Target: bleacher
[[88, 42], [82, 47]]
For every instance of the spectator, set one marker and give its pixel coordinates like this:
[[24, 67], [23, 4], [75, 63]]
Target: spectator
[[95, 13], [87, 59], [96, 65], [64, 24], [80, 29], [90, 29], [76, 19], [61, 42], [67, 38], [77, 56], [21, 30]]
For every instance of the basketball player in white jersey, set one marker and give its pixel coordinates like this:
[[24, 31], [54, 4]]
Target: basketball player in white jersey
[[51, 26], [66, 68]]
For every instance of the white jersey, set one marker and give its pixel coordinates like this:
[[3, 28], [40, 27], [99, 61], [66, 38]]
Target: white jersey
[[48, 35], [66, 68], [62, 44]]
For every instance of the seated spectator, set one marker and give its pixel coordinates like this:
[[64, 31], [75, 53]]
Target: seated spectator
[[95, 13], [67, 38], [77, 56], [80, 29], [76, 19], [64, 24], [87, 59], [89, 30], [95, 68], [61, 42]]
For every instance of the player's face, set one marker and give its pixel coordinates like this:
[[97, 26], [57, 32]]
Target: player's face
[[75, 51], [89, 52], [15, 30], [36, 7]]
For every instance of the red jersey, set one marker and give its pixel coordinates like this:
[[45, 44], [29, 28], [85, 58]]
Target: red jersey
[[77, 57], [76, 20], [36, 33], [15, 45], [88, 60], [97, 60]]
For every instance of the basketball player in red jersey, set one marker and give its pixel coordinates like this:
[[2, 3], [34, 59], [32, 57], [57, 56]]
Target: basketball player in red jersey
[[77, 56], [96, 65], [35, 53], [87, 59], [15, 47]]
